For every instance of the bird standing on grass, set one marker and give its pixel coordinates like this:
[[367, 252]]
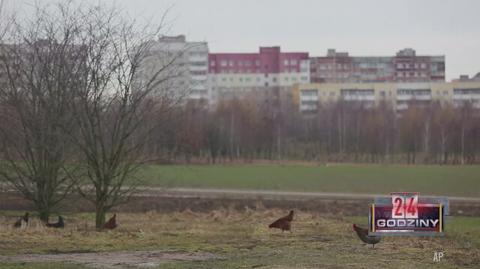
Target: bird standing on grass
[[21, 220], [59, 224], [283, 223], [363, 235], [111, 223]]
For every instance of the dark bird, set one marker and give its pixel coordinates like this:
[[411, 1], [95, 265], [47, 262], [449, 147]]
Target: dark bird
[[59, 224], [19, 222], [363, 235], [111, 223], [283, 223]]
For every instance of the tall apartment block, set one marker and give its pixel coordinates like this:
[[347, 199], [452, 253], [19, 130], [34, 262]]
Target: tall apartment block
[[405, 66], [234, 74], [186, 66]]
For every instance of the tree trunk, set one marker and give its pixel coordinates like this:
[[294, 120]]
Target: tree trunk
[[100, 212], [44, 213], [462, 143]]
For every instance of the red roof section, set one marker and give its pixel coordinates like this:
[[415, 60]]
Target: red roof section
[[268, 60]]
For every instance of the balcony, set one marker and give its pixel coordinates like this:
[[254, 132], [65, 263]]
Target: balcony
[[402, 106], [358, 97], [409, 97], [309, 107], [198, 86], [199, 77], [197, 58], [198, 68], [309, 98]]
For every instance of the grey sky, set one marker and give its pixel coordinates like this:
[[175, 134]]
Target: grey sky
[[361, 27]]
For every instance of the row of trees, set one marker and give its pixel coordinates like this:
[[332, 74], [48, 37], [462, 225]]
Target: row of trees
[[73, 104], [243, 129]]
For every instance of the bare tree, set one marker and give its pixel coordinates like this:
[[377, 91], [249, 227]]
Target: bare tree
[[40, 64], [120, 90]]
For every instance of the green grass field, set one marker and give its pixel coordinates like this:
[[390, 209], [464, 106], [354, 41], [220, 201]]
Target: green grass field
[[428, 180], [242, 240]]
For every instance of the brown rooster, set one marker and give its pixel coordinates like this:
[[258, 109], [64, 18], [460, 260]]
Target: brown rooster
[[21, 220], [111, 223], [59, 224], [283, 223], [363, 235]]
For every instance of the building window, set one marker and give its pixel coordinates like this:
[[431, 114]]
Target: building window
[[293, 62], [212, 63], [285, 62], [230, 63], [257, 62], [223, 63], [309, 92]]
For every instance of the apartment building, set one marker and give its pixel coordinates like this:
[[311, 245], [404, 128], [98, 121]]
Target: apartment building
[[400, 95], [185, 66], [405, 66], [260, 74], [464, 78]]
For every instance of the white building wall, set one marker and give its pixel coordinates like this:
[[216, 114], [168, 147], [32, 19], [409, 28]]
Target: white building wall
[[188, 73]]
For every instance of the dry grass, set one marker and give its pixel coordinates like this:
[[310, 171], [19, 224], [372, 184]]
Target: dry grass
[[242, 240]]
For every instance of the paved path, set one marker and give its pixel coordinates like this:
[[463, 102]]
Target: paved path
[[268, 194], [264, 194]]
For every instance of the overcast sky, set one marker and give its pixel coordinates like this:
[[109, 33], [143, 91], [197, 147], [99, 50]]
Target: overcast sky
[[361, 27]]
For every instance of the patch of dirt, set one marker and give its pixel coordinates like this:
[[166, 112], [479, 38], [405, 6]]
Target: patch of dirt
[[113, 260]]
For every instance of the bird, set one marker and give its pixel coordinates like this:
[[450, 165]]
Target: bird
[[283, 223], [21, 220], [59, 224], [111, 223], [363, 235]]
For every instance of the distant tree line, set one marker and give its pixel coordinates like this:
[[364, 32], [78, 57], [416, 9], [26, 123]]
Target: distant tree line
[[246, 130]]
